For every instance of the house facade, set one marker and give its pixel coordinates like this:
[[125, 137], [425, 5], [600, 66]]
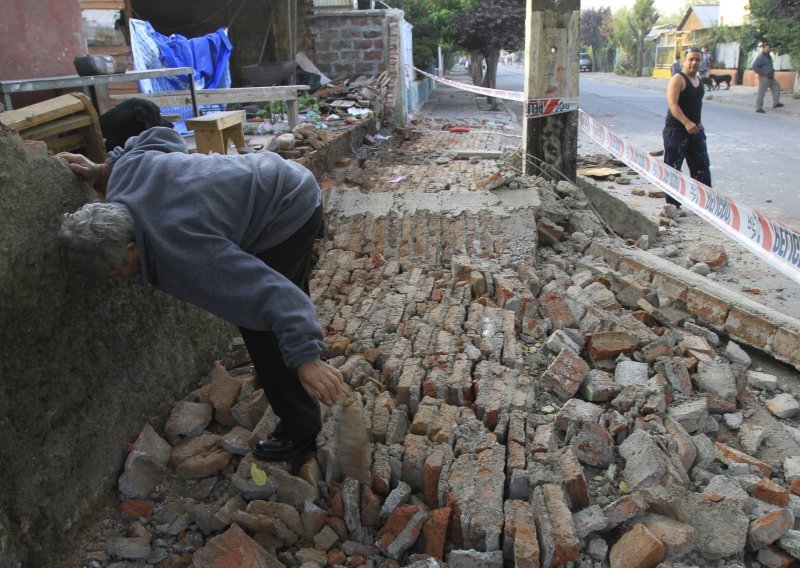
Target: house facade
[[694, 30], [690, 32]]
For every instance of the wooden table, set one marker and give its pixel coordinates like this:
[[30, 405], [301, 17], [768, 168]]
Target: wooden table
[[98, 82]]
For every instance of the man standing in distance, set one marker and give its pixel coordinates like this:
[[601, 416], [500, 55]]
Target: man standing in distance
[[763, 67], [676, 65], [705, 62], [684, 136]]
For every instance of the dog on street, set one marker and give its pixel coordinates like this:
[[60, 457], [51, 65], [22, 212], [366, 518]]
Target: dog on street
[[714, 81]]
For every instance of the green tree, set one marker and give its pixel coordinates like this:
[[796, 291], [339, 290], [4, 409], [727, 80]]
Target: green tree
[[596, 33], [643, 16], [431, 20], [622, 38], [777, 21], [485, 29]]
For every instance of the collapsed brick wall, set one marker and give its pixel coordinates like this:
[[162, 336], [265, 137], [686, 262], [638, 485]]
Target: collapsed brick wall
[[82, 364], [528, 395]]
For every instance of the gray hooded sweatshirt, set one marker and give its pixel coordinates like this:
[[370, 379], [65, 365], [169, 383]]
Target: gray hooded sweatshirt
[[198, 222]]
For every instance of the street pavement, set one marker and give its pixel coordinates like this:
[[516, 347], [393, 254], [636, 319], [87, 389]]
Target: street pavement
[[737, 95], [447, 101]]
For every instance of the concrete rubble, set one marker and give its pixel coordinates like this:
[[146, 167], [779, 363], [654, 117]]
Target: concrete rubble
[[530, 398]]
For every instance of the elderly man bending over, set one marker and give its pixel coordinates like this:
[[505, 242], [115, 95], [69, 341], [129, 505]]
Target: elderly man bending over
[[231, 234]]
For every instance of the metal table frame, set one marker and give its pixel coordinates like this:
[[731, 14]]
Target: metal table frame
[[98, 82]]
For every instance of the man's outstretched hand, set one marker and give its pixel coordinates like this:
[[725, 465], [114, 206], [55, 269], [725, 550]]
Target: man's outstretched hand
[[320, 380], [84, 167]]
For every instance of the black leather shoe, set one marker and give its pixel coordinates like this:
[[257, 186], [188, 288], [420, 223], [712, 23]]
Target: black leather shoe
[[279, 447], [779, 105], [761, 110]]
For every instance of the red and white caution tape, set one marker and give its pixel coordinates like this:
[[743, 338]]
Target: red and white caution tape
[[535, 108], [509, 95], [776, 243]]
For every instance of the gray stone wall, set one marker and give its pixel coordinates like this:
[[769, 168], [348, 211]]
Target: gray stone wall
[[83, 364]]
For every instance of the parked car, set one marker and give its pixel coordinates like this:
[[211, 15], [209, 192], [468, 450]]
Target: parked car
[[585, 62]]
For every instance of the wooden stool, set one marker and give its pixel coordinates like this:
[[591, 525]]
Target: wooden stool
[[212, 131], [64, 123]]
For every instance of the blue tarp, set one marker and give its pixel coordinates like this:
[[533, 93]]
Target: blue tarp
[[208, 55]]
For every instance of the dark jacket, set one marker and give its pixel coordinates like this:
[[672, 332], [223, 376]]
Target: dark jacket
[[763, 66]]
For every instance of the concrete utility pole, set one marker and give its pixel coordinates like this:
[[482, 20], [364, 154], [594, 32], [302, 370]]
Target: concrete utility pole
[[552, 44]]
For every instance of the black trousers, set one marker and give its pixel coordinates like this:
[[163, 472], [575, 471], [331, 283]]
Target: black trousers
[[299, 413], [679, 145]]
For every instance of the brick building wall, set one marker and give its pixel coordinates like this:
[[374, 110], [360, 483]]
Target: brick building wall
[[351, 43], [395, 101]]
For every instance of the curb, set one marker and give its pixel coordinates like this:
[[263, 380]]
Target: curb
[[748, 322], [722, 309]]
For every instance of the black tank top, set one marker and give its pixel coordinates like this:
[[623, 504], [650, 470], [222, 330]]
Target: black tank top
[[690, 101]]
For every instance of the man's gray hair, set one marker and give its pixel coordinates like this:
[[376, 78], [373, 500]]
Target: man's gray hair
[[97, 236]]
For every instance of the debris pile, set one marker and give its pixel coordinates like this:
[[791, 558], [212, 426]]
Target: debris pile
[[525, 401], [338, 106], [355, 97]]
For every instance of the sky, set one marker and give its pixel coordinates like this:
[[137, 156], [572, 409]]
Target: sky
[[663, 6]]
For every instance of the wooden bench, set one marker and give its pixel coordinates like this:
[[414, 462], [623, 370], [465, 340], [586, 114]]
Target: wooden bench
[[242, 95], [64, 123], [212, 131]]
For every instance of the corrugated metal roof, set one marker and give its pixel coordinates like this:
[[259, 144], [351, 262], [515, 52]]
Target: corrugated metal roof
[[708, 16], [656, 31]]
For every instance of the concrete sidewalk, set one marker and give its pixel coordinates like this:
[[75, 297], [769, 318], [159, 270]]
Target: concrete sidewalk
[[451, 103]]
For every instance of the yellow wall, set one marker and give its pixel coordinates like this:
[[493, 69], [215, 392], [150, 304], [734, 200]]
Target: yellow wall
[[693, 23]]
